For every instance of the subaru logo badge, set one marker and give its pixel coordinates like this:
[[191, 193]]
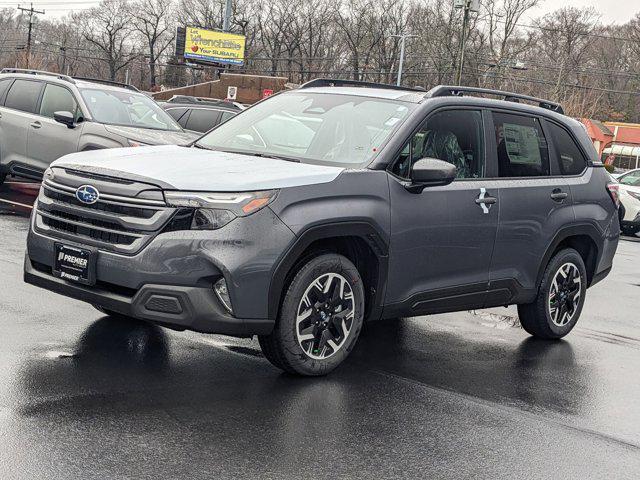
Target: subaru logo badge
[[87, 194]]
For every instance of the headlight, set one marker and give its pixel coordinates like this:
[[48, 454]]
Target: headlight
[[215, 210]]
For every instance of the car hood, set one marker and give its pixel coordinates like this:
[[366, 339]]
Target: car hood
[[153, 137], [181, 168]]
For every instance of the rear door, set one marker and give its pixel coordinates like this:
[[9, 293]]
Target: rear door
[[442, 239], [49, 140], [535, 200], [19, 112]]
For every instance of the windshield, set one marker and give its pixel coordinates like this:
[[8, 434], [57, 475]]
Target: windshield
[[129, 109], [345, 130]]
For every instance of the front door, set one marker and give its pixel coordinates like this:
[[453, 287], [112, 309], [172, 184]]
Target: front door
[[47, 139], [442, 239]]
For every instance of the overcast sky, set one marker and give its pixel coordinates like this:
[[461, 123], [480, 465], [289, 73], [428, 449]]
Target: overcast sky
[[612, 11]]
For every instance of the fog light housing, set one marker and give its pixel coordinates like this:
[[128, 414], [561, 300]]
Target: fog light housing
[[220, 287]]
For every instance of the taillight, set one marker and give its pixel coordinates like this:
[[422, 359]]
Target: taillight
[[614, 192]]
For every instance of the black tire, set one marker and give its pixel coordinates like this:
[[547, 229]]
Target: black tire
[[3, 176], [540, 318], [284, 346], [629, 230]]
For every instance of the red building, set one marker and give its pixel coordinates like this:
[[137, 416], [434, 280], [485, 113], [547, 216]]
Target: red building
[[616, 142]]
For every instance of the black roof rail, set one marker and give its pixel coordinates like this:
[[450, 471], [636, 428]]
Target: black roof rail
[[29, 71], [108, 82], [330, 82], [448, 91]]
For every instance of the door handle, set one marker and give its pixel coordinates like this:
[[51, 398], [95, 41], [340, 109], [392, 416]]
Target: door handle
[[486, 200], [558, 195], [36, 124]]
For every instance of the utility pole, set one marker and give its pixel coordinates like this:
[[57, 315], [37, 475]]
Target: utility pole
[[463, 39], [403, 37], [31, 12], [227, 16], [468, 6]]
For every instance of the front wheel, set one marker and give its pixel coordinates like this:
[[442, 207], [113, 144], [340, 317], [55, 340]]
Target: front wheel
[[560, 299], [630, 230], [320, 319]]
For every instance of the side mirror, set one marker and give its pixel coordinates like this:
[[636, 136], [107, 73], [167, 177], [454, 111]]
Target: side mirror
[[65, 118], [430, 172]]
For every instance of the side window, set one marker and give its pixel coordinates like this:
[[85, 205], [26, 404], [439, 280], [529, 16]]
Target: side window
[[4, 85], [570, 158], [522, 148], [202, 120], [56, 99], [455, 136], [23, 95], [226, 116], [176, 113]]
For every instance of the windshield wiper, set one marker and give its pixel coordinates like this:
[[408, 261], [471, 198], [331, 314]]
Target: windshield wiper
[[263, 155]]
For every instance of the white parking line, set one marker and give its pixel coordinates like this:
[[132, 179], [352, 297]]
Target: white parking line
[[16, 203]]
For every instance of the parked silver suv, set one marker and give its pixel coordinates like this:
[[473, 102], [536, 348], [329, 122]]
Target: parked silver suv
[[44, 116]]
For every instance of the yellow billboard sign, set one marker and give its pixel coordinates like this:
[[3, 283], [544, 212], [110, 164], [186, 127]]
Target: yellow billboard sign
[[214, 46]]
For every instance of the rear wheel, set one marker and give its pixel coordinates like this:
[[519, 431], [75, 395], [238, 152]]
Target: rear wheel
[[560, 299], [320, 319]]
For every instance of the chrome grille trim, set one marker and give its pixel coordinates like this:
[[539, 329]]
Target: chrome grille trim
[[105, 196]]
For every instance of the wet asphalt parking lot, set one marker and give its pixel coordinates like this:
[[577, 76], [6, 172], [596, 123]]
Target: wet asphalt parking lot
[[463, 395]]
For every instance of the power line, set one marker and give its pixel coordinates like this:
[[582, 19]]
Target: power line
[[31, 12]]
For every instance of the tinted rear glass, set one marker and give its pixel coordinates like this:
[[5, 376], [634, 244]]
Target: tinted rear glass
[[23, 95], [202, 120], [570, 158], [176, 113]]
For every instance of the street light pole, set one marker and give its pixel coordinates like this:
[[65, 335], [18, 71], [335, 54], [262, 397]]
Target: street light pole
[[403, 37], [227, 16]]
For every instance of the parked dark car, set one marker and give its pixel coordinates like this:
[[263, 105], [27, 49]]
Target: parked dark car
[[200, 115], [334, 204]]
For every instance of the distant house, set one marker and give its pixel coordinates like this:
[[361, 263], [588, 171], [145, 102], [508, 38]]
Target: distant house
[[617, 143]]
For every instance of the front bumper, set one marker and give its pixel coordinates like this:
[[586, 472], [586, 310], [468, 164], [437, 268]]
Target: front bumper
[[170, 281]]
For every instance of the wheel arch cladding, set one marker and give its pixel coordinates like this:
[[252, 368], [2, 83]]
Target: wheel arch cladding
[[585, 239], [360, 242]]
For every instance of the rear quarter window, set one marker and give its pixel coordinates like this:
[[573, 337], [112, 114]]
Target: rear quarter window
[[571, 161]]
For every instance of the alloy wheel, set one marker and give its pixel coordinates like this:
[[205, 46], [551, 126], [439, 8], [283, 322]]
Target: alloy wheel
[[325, 316], [564, 294]]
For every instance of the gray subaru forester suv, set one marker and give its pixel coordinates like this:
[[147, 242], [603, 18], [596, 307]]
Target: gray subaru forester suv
[[44, 116], [334, 204]]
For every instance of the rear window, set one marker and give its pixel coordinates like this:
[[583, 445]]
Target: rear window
[[522, 147], [201, 120], [176, 113], [23, 95], [570, 158]]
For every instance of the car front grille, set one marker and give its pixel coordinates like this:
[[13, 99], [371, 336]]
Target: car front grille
[[125, 218]]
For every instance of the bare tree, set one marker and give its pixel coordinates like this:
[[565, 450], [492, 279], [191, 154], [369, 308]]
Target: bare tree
[[107, 28], [152, 20]]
